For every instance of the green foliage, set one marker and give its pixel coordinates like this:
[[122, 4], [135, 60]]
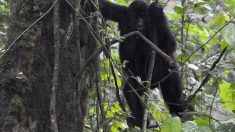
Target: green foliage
[[229, 33], [157, 111], [202, 8], [202, 121], [219, 19], [208, 27], [191, 126], [230, 4], [227, 94], [228, 127], [181, 10], [171, 124]]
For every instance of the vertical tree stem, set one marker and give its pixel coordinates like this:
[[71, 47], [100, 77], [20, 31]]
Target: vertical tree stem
[[149, 80], [53, 118]]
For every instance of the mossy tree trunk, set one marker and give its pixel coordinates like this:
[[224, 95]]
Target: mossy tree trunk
[[26, 70]]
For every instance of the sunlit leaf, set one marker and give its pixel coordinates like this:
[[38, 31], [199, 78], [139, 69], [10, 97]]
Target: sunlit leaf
[[178, 9], [202, 121], [109, 114], [116, 126], [227, 94], [223, 44], [219, 19], [230, 5]]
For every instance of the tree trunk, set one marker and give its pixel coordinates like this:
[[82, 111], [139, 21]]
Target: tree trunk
[[26, 70]]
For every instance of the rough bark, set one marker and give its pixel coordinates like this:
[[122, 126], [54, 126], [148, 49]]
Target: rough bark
[[26, 69]]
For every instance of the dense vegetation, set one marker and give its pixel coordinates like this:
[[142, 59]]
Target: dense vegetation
[[205, 31]]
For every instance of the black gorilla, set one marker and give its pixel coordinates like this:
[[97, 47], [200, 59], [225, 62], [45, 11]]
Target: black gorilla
[[149, 20]]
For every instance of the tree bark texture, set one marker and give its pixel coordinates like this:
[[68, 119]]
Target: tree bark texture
[[26, 70]]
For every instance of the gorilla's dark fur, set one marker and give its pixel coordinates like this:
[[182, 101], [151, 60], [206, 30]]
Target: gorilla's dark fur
[[150, 21]]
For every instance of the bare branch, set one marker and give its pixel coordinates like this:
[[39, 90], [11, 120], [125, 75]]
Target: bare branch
[[207, 78], [99, 50]]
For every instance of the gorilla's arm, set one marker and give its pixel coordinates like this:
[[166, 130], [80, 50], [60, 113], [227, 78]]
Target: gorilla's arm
[[165, 39], [112, 11]]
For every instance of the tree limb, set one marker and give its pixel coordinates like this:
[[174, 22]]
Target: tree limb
[[99, 50], [206, 79]]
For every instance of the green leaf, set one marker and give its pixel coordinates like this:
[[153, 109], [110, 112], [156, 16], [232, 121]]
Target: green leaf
[[228, 33], [117, 126], [230, 2], [191, 126], [185, 9], [182, 57], [227, 94], [114, 128], [230, 6], [171, 124], [202, 9], [202, 121], [223, 45], [109, 114], [199, 32], [181, 10], [158, 111], [178, 9], [219, 19]]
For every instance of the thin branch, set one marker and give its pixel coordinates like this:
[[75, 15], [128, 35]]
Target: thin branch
[[212, 102], [132, 88], [104, 48], [154, 47], [164, 78], [207, 78], [117, 89], [99, 50], [207, 41], [199, 114], [99, 102], [53, 118], [149, 78], [8, 48], [97, 115]]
